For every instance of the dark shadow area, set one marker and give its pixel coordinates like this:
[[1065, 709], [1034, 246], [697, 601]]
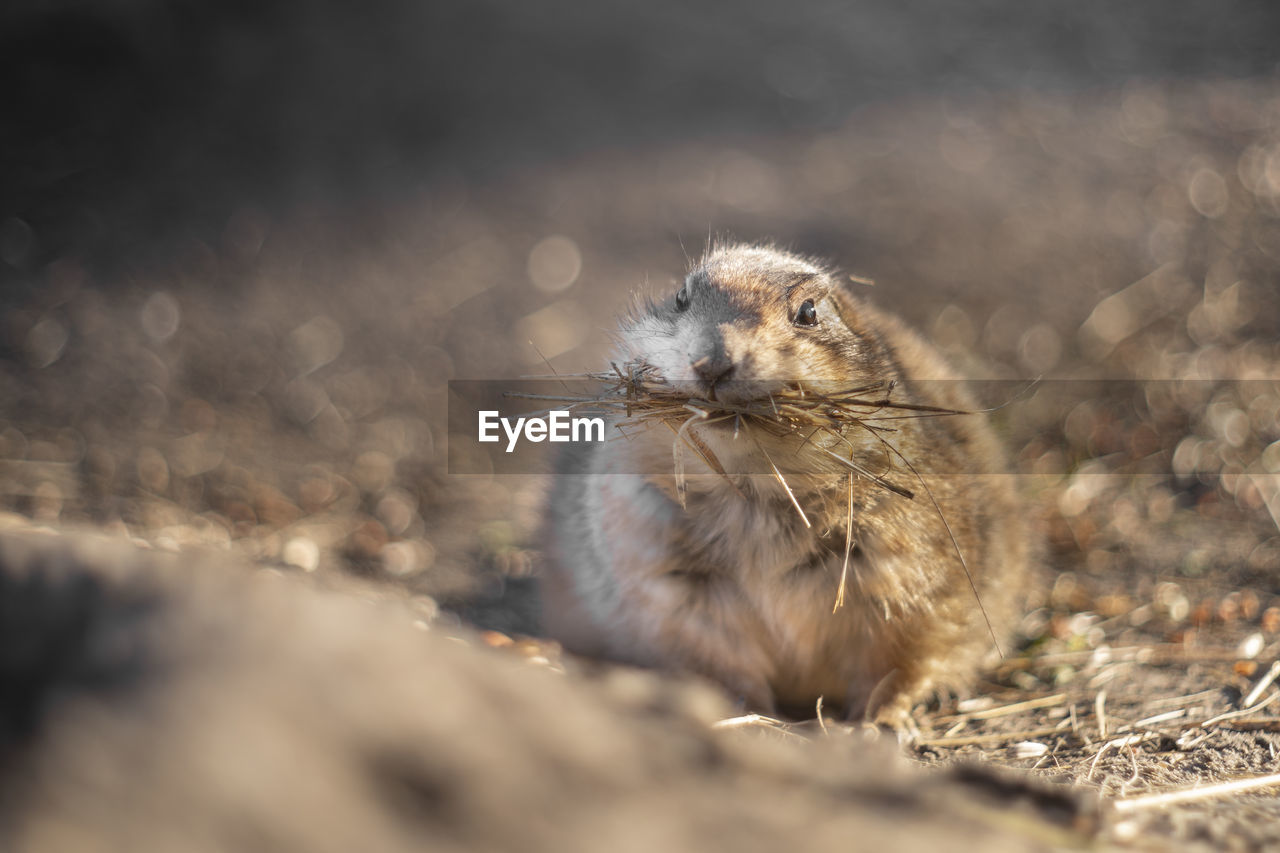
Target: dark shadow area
[[132, 125]]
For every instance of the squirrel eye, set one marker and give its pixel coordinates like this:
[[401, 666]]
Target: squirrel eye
[[682, 298], [807, 315]]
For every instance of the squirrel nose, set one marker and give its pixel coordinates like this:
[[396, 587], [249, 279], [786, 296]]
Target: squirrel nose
[[711, 369]]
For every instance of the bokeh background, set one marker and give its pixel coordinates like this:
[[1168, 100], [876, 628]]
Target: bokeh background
[[244, 246]]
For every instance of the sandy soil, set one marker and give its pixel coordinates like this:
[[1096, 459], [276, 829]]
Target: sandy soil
[[259, 382]]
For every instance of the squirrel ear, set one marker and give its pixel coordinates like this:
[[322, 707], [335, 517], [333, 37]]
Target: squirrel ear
[[847, 305]]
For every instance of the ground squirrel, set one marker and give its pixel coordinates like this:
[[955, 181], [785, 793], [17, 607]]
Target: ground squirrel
[[733, 574]]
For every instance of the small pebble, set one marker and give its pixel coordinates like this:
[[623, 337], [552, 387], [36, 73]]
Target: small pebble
[[1029, 749], [302, 553], [495, 639], [1251, 646]]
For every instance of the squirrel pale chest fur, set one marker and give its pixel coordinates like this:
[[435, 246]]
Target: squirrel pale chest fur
[[733, 573]]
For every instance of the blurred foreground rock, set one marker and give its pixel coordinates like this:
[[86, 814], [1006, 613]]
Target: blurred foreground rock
[[184, 703]]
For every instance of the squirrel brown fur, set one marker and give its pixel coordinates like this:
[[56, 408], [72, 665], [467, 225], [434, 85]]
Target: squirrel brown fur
[[735, 584]]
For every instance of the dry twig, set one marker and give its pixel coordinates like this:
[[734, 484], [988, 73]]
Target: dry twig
[[1263, 684], [1186, 795]]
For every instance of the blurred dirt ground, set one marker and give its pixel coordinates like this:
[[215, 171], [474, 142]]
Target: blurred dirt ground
[[272, 383]]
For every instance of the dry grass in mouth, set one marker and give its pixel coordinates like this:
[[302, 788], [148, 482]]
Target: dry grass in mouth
[[637, 392], [643, 397]]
